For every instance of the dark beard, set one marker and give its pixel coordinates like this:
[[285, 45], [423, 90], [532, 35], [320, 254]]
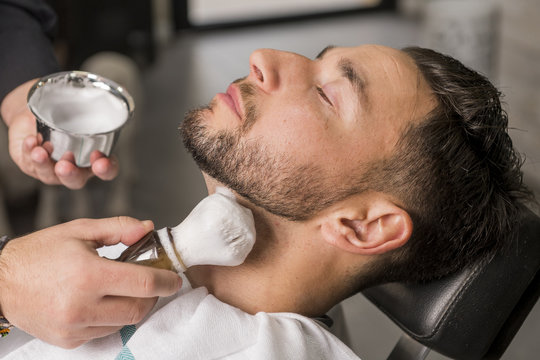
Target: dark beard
[[268, 178]]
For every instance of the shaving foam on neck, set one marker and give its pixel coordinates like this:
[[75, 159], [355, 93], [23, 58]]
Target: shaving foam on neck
[[218, 231]]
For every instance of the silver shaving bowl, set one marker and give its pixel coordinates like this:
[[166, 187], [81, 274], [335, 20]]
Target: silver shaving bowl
[[79, 112]]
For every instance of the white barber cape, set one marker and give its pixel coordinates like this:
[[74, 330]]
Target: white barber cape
[[195, 325]]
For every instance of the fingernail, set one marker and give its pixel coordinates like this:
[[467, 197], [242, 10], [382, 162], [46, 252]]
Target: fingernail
[[148, 225]]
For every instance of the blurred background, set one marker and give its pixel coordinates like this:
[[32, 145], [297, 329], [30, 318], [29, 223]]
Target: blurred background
[[175, 55]]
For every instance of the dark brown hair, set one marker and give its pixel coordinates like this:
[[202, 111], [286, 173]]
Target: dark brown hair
[[457, 174]]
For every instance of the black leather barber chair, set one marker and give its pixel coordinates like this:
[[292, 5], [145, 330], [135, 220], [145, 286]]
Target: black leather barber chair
[[473, 314]]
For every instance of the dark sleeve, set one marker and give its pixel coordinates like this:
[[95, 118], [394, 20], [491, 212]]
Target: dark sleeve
[[26, 30]]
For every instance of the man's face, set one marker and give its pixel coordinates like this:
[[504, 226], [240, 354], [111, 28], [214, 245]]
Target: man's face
[[292, 135]]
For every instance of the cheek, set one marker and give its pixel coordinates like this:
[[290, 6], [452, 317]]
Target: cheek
[[296, 130]]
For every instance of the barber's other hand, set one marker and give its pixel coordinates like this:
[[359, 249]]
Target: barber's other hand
[[53, 285], [26, 150]]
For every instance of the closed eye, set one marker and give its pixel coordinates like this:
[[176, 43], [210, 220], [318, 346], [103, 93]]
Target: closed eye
[[323, 95]]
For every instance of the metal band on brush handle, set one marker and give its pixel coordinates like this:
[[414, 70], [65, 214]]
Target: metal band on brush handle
[[147, 251], [157, 250]]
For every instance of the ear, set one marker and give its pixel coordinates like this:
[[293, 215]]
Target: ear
[[380, 227]]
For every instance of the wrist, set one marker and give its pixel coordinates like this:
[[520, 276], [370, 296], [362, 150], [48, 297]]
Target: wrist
[[15, 101]]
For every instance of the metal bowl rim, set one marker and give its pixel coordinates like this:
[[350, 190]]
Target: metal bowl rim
[[116, 90]]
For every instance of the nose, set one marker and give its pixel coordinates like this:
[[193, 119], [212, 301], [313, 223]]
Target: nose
[[270, 69]]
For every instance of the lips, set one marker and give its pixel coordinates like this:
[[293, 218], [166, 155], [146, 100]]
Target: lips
[[234, 96]]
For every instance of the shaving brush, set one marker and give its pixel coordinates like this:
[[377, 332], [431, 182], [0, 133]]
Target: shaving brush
[[218, 231]]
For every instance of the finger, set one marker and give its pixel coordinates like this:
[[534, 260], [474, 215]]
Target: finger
[[43, 166], [38, 155], [94, 332], [26, 157], [117, 311], [109, 231], [123, 279], [21, 128], [47, 145], [70, 175], [77, 337], [37, 159], [29, 143], [103, 167]]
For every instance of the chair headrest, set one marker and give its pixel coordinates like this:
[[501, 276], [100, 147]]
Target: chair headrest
[[460, 315]]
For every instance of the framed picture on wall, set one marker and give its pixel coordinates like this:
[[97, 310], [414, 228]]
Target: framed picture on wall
[[215, 13]]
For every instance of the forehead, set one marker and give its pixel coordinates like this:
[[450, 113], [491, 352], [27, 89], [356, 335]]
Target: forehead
[[396, 95], [385, 56], [382, 66], [394, 85]]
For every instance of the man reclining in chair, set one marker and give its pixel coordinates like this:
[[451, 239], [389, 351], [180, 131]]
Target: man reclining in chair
[[363, 166]]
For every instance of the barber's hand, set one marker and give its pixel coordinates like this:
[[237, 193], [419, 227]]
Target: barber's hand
[[53, 285], [26, 150]]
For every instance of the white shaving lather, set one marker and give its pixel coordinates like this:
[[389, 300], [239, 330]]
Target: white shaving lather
[[218, 231]]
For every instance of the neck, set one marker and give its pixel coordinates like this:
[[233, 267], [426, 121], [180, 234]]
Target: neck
[[281, 274]]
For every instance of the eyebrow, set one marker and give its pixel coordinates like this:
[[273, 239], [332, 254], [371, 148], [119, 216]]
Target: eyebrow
[[358, 82]]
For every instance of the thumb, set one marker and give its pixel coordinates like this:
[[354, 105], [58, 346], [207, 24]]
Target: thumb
[[109, 231]]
